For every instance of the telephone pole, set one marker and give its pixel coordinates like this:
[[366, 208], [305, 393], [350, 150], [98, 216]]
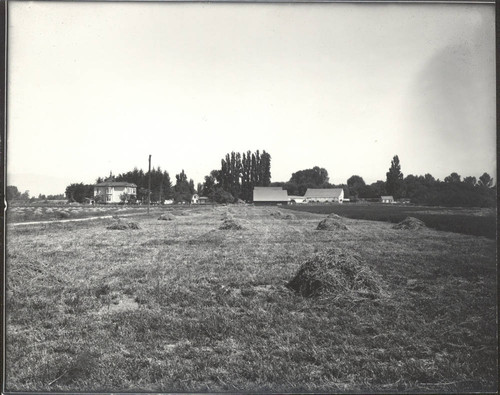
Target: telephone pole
[[149, 183]]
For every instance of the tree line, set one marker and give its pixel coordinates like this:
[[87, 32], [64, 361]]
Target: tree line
[[13, 193], [161, 186], [426, 190], [239, 173]]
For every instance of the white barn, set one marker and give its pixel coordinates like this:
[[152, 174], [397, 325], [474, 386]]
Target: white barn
[[270, 195], [387, 199], [296, 199], [324, 195]]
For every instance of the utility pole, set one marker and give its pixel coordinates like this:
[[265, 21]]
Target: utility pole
[[149, 183]]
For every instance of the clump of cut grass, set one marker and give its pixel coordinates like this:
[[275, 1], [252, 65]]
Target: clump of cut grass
[[230, 224], [166, 217], [337, 273], [410, 223], [133, 225], [120, 225], [332, 224], [279, 215], [62, 214]]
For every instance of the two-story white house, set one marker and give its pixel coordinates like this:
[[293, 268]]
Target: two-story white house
[[111, 191]]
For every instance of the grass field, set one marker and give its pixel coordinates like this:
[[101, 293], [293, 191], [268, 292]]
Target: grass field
[[29, 213], [471, 221], [181, 305]]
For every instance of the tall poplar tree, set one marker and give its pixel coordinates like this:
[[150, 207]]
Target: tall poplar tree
[[394, 181]]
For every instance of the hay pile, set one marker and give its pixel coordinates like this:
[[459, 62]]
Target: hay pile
[[63, 214], [331, 224], [410, 223], [335, 273], [335, 216], [120, 225], [230, 224], [166, 217], [279, 215]]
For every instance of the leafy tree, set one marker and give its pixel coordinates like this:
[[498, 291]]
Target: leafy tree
[[394, 180], [472, 181], [485, 180], [239, 173], [355, 184], [316, 177], [124, 198], [208, 187], [183, 189], [78, 192], [222, 196], [453, 177], [12, 193], [55, 197], [25, 195]]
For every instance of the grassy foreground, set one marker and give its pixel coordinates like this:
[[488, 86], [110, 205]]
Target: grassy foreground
[[183, 306]]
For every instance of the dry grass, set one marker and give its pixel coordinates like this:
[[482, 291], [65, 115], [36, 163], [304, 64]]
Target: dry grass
[[333, 224], [192, 308], [166, 217], [336, 273], [409, 223]]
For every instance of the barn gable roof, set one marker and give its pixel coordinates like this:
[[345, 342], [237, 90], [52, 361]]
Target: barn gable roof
[[269, 194], [323, 192], [387, 197], [116, 184]]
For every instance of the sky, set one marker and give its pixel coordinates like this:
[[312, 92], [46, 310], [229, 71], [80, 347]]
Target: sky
[[98, 87]]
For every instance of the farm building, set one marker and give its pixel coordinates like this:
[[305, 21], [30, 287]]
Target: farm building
[[197, 199], [296, 199], [111, 191], [324, 195], [387, 199], [270, 195]]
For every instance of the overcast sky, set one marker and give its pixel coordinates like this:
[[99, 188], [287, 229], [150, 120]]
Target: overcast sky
[[97, 87]]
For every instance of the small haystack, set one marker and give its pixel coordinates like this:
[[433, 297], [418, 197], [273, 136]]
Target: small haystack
[[337, 273], [230, 224], [410, 223], [279, 215], [63, 214], [166, 217], [120, 225], [332, 224]]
